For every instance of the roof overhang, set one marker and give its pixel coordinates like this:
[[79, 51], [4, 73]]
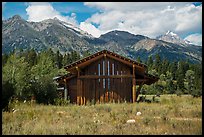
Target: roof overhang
[[88, 60], [82, 63]]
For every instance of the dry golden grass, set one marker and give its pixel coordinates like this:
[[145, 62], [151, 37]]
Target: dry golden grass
[[173, 115]]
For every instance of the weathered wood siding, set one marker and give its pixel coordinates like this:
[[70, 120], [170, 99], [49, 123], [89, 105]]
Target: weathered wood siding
[[105, 77], [104, 89], [72, 89]]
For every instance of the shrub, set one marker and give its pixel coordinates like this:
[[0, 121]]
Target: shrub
[[196, 93], [61, 102], [7, 93], [44, 90]]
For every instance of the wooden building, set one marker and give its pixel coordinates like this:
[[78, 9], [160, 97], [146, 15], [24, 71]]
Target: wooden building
[[104, 77]]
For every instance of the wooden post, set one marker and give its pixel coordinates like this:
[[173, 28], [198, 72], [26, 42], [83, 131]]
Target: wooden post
[[106, 79], [101, 83], [84, 101], [81, 94], [133, 85], [111, 81], [84, 94], [79, 89], [65, 90]]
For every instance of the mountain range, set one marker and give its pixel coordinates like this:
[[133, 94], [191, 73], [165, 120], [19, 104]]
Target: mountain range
[[18, 33]]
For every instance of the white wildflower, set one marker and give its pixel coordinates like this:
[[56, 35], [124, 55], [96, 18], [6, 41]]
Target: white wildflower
[[131, 121], [138, 113]]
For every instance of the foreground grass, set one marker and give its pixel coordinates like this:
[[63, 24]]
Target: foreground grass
[[173, 115]]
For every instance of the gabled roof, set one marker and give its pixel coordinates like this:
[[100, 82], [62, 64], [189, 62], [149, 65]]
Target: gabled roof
[[96, 56], [148, 79]]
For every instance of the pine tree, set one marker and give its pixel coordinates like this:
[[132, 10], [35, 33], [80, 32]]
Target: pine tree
[[157, 64], [67, 59], [58, 59], [50, 54], [150, 62], [64, 62], [75, 56], [170, 85], [189, 77], [86, 54], [173, 69], [180, 75], [31, 57], [164, 66], [198, 76]]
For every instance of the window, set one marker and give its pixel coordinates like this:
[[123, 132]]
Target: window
[[108, 68], [104, 84], [103, 67], [112, 69], [99, 71]]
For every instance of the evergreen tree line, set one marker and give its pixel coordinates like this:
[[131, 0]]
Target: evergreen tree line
[[178, 78], [28, 74]]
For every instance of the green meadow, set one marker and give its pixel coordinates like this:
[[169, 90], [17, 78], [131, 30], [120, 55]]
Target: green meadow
[[174, 115]]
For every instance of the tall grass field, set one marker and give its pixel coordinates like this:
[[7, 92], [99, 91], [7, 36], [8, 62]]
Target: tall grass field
[[172, 115]]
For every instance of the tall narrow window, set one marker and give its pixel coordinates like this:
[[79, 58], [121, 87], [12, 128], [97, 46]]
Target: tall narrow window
[[104, 84], [112, 69], [99, 70], [109, 75], [103, 67], [108, 68]]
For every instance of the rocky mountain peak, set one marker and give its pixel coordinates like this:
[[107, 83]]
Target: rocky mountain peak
[[55, 18], [122, 37], [172, 37], [18, 33], [16, 17], [171, 33]]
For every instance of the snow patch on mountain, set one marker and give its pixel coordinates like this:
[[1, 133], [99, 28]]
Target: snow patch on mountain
[[172, 37]]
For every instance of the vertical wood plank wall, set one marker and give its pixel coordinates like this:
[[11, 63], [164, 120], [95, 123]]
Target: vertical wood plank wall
[[101, 90], [72, 90]]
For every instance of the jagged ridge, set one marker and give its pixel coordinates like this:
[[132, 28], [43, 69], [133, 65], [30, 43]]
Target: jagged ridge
[[65, 37]]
